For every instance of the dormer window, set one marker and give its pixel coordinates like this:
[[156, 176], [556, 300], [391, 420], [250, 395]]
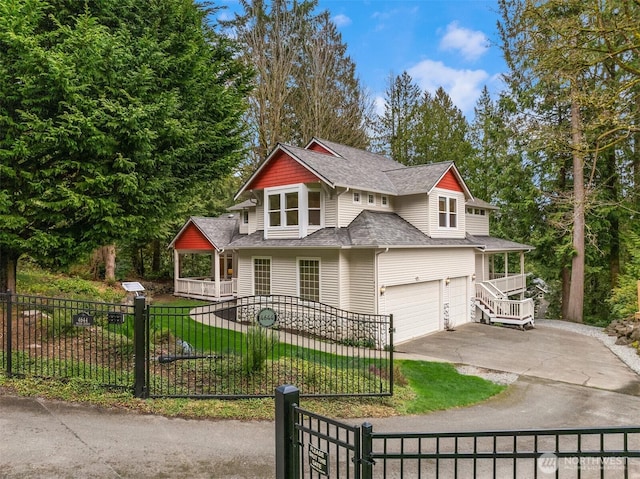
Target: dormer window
[[371, 199], [245, 217], [283, 208], [356, 197], [447, 212], [384, 201]]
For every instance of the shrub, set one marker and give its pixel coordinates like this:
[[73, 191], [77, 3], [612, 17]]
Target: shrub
[[260, 344]]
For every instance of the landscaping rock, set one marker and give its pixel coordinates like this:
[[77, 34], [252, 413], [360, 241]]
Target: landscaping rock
[[627, 332]]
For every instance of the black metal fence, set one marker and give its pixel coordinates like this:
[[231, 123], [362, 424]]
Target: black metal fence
[[239, 348], [63, 338], [248, 346], [309, 445]]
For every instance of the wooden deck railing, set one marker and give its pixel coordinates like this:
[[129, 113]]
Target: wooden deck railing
[[205, 289], [510, 284]]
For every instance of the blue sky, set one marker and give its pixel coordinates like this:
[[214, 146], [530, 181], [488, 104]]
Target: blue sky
[[448, 43]]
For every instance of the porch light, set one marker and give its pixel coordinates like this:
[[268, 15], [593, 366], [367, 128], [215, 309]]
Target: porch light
[[473, 277], [447, 281], [383, 288]]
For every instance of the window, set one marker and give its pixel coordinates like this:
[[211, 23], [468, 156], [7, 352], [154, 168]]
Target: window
[[245, 217], [314, 208], [309, 279], [291, 208], [384, 201], [283, 209], [274, 210], [356, 197], [262, 276], [371, 199], [447, 212]]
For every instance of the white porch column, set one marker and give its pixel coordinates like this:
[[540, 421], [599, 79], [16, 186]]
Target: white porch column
[[216, 273], [176, 270], [524, 280], [506, 265]]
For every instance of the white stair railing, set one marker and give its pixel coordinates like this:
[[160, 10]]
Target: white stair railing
[[501, 309]]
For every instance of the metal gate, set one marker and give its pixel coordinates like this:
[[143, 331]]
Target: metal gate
[[312, 446]]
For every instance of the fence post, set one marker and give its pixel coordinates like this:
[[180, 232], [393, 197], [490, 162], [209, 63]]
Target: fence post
[[367, 448], [287, 397], [9, 344], [391, 347], [139, 346]]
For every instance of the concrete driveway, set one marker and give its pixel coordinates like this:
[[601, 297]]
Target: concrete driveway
[[544, 352]]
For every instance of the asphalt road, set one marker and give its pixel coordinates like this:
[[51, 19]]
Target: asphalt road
[[50, 439]]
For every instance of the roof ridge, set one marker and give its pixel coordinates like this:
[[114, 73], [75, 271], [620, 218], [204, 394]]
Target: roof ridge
[[423, 165]]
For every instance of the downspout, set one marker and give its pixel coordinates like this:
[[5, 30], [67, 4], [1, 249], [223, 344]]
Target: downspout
[[376, 281]]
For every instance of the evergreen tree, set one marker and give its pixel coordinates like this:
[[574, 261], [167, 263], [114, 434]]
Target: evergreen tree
[[108, 112], [397, 126], [441, 132]]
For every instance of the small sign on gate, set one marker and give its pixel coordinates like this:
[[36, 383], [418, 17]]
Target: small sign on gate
[[267, 317], [82, 319], [115, 317], [319, 460]]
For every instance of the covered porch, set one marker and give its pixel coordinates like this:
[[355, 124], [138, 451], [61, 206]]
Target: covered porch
[[501, 283], [202, 267], [219, 284]]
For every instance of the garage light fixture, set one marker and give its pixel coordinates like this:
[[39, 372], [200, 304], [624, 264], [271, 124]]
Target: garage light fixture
[[383, 288], [447, 281]]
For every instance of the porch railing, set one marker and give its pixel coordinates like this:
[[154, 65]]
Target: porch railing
[[205, 288], [509, 284]]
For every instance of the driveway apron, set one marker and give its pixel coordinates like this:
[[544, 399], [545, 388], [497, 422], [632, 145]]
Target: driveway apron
[[544, 352]]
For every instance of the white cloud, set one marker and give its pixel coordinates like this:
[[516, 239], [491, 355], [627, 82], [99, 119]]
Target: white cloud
[[463, 86], [471, 44], [341, 20]]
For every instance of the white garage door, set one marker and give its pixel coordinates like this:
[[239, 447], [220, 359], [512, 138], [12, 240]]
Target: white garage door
[[458, 301], [415, 309]]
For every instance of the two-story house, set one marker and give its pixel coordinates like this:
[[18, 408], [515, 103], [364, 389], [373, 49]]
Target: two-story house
[[363, 233]]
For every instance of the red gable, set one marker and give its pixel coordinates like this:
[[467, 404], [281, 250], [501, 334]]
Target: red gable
[[318, 148], [192, 238], [281, 170], [449, 182]]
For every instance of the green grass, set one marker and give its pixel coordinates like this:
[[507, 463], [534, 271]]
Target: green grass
[[440, 386]]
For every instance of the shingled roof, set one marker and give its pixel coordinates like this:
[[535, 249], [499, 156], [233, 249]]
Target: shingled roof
[[349, 167], [368, 229]]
